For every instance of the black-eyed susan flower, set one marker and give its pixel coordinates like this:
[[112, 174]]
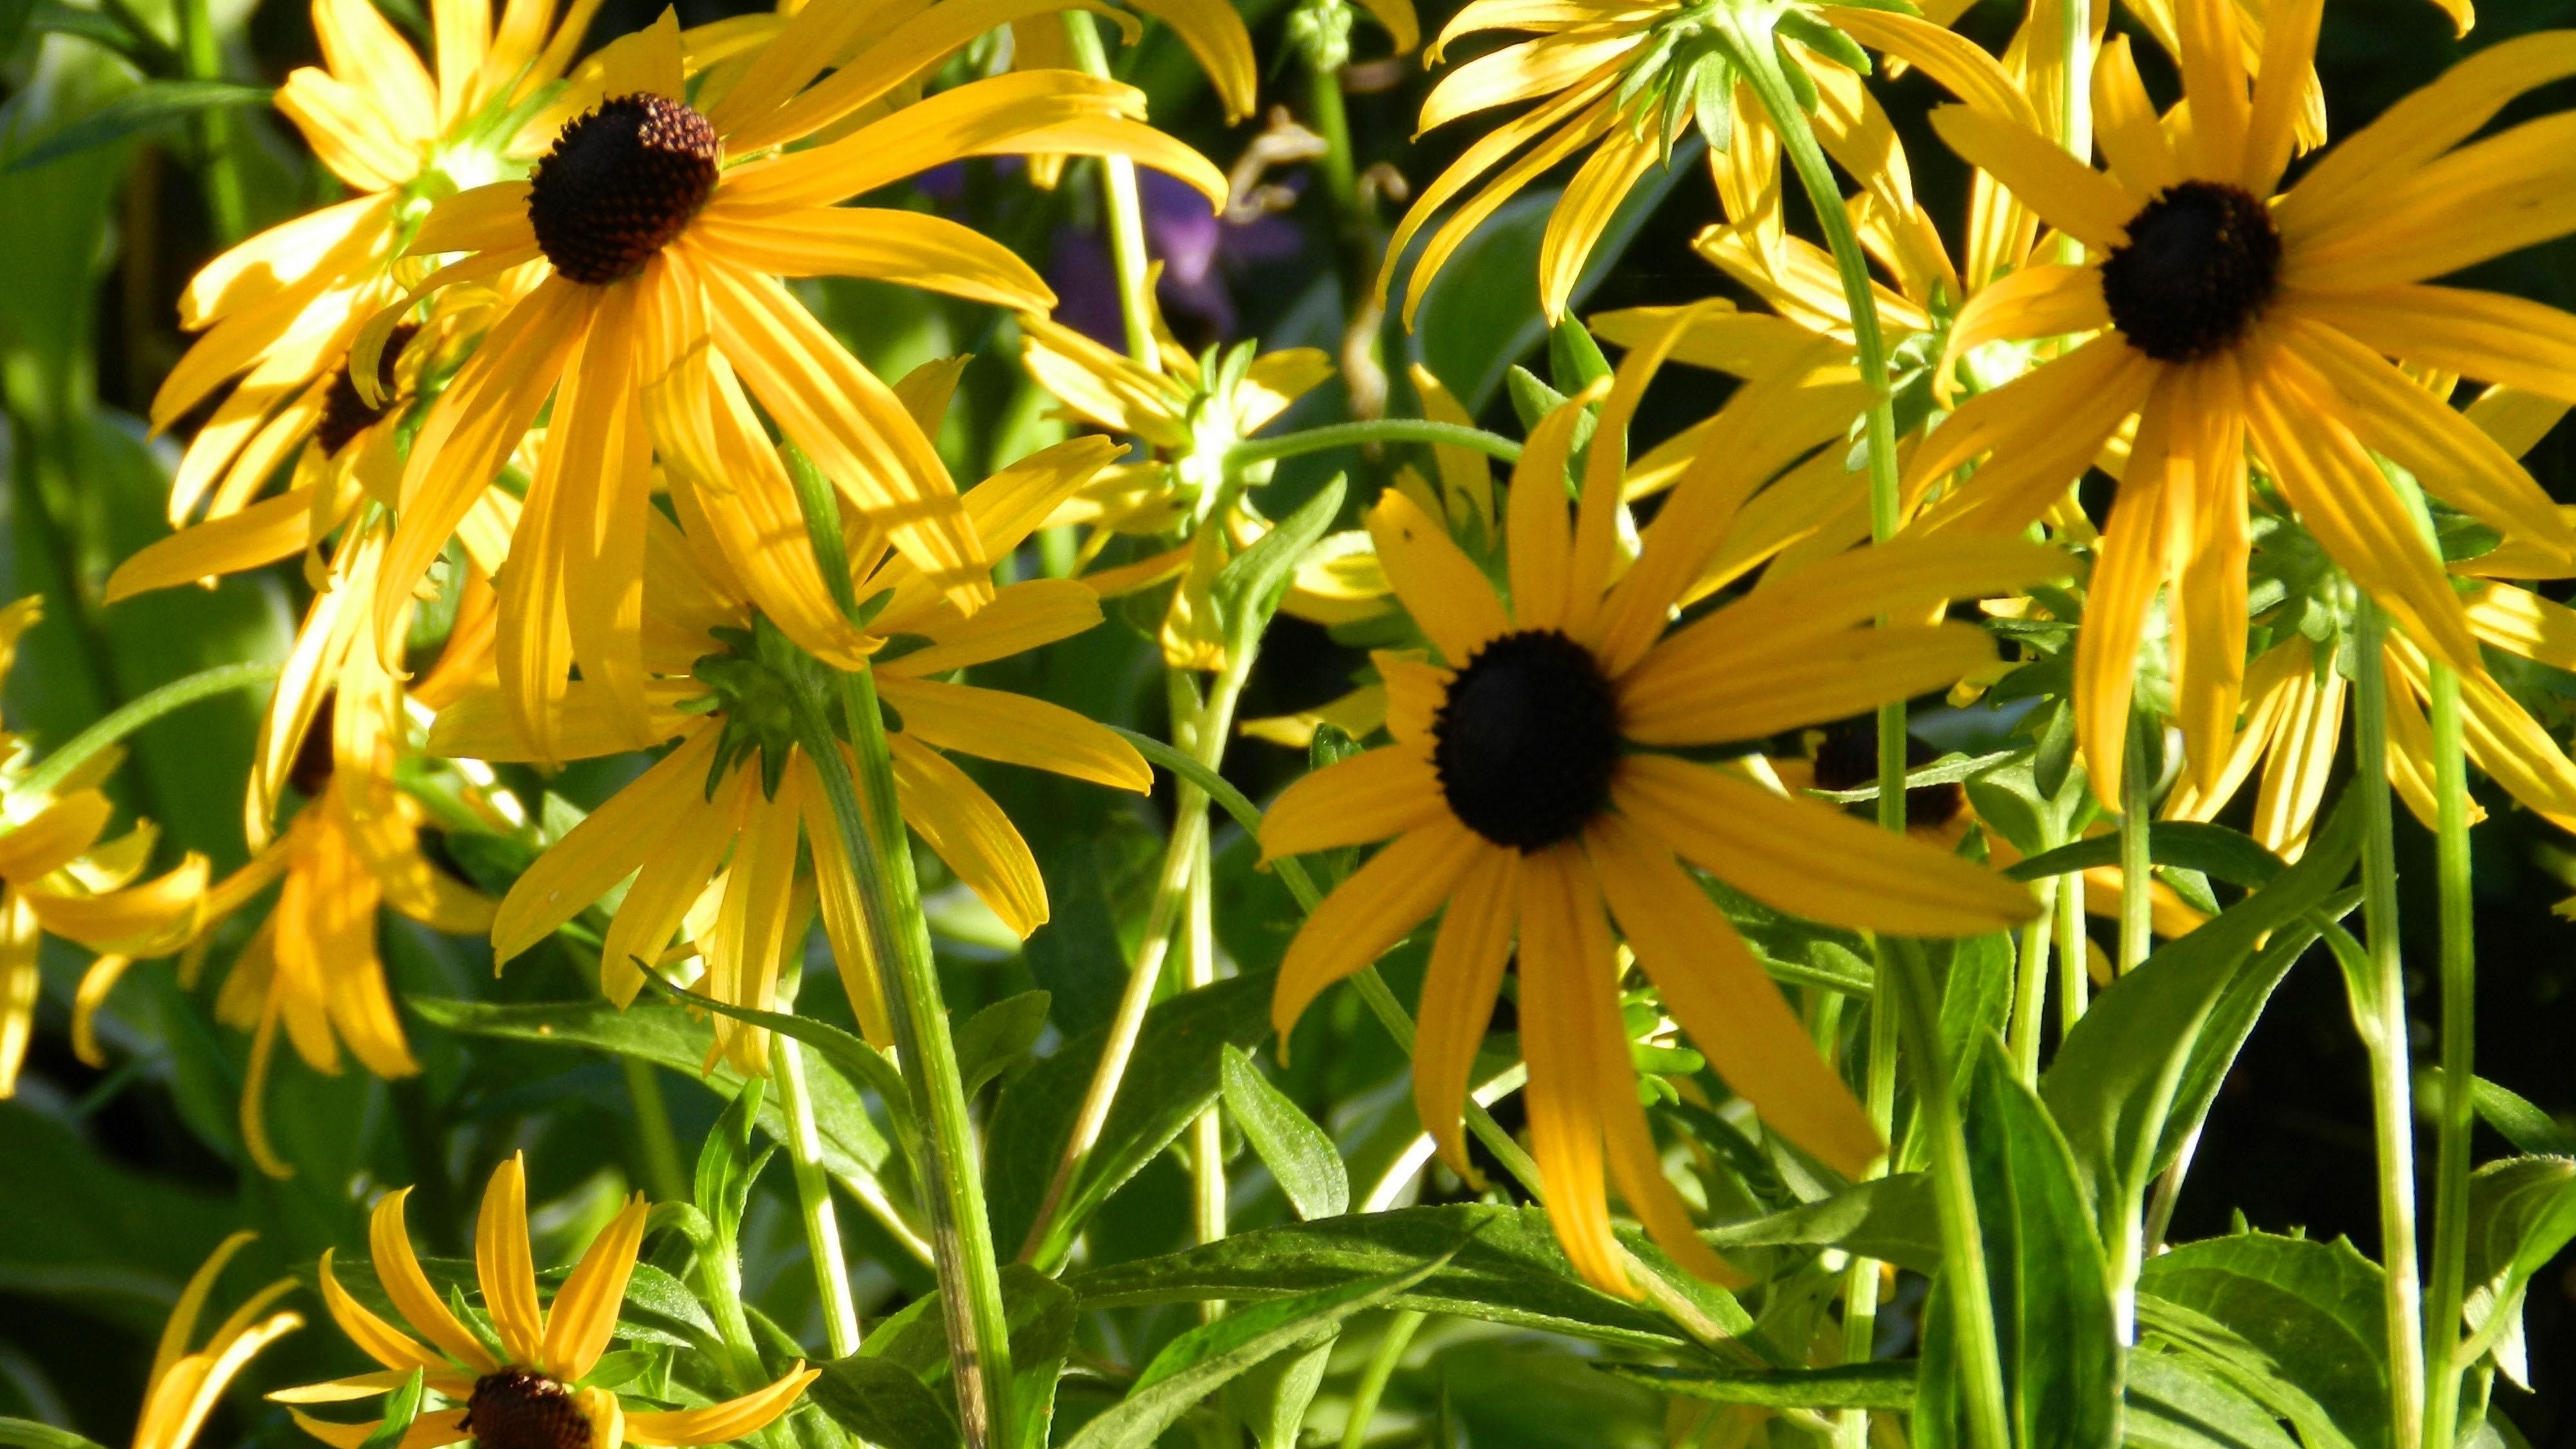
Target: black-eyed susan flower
[[660, 225], [281, 309], [1539, 784], [334, 734], [711, 832], [1189, 412], [57, 879], [186, 1383], [2229, 317], [523, 1390]]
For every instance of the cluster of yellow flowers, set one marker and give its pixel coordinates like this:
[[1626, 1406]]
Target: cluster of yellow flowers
[[545, 365]]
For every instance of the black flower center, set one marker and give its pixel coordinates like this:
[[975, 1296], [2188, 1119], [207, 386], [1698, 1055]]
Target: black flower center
[[515, 1409], [345, 414], [1527, 739], [1848, 760], [2202, 261], [620, 184]]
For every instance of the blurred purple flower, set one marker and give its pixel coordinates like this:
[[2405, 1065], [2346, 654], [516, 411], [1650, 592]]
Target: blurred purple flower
[[1202, 256]]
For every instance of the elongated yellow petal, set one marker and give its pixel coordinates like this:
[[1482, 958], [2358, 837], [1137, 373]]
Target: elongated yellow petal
[[363, 49], [1567, 967], [504, 1265], [1810, 859], [1439, 585], [2136, 556], [374, 1337], [1584, 211], [2074, 198], [2208, 604], [1021, 617], [263, 533], [389, 1242], [1722, 997], [432, 1430], [487, 218], [1538, 533], [1458, 992], [602, 850], [258, 268], [62, 830], [844, 919], [2044, 429], [1734, 690], [2041, 301], [584, 1313], [717, 1423], [1216, 35], [1368, 797], [962, 826], [2127, 127], [1371, 911], [907, 248], [1015, 729]]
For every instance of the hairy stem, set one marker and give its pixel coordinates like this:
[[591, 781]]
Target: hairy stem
[[2459, 966], [814, 1198]]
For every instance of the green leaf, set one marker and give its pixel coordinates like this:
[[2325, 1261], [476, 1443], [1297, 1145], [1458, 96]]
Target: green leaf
[[726, 1167], [2313, 1311], [993, 1039], [1511, 1271], [2175, 1402], [1170, 1080], [401, 1407], [147, 107], [2114, 1084], [1950, 769], [28, 1434], [2231, 1021], [2052, 1299], [1888, 1385], [1247, 591], [2522, 1210], [2213, 850], [1891, 1219], [1574, 359], [2527, 1127], [885, 1404], [1271, 1398], [1298, 1153], [1199, 1361]]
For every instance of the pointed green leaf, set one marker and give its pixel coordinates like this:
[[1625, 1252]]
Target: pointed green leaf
[[1298, 1153]]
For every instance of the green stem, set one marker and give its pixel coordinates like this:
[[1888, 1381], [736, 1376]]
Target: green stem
[[1381, 1002], [1861, 1275], [880, 861], [135, 714], [2459, 1041], [1207, 1136], [2030, 985], [1963, 1247], [1373, 1379], [814, 1198], [215, 127], [1206, 736], [1376, 430], [662, 1171], [2137, 870], [2383, 1018], [1125, 207], [2074, 943]]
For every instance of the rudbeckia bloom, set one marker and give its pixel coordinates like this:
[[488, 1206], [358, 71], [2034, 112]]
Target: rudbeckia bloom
[[529, 1395], [1189, 412], [186, 1383], [713, 827], [57, 879], [335, 730], [284, 306], [2229, 316], [1537, 781], [657, 231]]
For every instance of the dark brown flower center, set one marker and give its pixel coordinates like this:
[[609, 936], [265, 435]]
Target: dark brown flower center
[[345, 414], [515, 1409], [2202, 261], [1848, 760], [1526, 740], [620, 184]]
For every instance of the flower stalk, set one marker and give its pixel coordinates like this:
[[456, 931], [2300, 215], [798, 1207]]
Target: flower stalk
[[2137, 864], [1124, 204], [2459, 972], [814, 1198]]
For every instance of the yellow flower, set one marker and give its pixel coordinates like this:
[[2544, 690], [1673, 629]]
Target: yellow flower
[[1539, 777], [710, 832], [57, 879], [284, 306], [1189, 412], [658, 234], [2228, 319], [185, 1383], [1624, 80], [529, 1394]]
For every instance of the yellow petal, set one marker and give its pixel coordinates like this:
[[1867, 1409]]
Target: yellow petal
[[962, 826], [263, 533], [718, 1423], [1458, 991], [504, 1266], [1566, 969], [1734, 691], [2074, 198], [486, 218], [1371, 911], [374, 1337], [389, 1242], [907, 248], [2135, 558], [1020, 618], [584, 1313], [1015, 729], [602, 850], [430, 1431], [36, 848], [1368, 797], [1443, 590]]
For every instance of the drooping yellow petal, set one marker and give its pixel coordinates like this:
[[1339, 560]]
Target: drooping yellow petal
[[844, 920], [718, 1423], [602, 850], [1368, 797], [374, 1337], [1458, 991], [1584, 211], [962, 826], [66, 827], [1734, 690], [389, 1243], [263, 533], [2209, 599], [1812, 860], [2044, 429], [2136, 556], [432, 1430], [1566, 968], [907, 248], [670, 882], [1021, 617], [1370, 912]]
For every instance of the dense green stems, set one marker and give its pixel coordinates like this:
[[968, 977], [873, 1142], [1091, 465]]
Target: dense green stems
[[880, 862], [1205, 739], [2030, 985], [814, 1198], [216, 127], [2382, 1020], [1125, 207], [1374, 430], [2137, 816], [663, 1175], [1373, 1379], [2459, 1023]]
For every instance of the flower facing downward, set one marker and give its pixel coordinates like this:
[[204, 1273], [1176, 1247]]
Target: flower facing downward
[[530, 1394], [1536, 786], [185, 1382]]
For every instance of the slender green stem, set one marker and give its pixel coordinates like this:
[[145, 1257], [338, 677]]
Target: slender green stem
[[1125, 206], [135, 714], [2384, 1029], [1207, 1136], [1206, 737], [2030, 985], [880, 861], [2074, 943], [1861, 1275], [814, 1198], [1373, 1379], [1376, 430], [216, 128], [2459, 1041], [662, 1171], [1381, 1002], [2137, 871], [1963, 1247]]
